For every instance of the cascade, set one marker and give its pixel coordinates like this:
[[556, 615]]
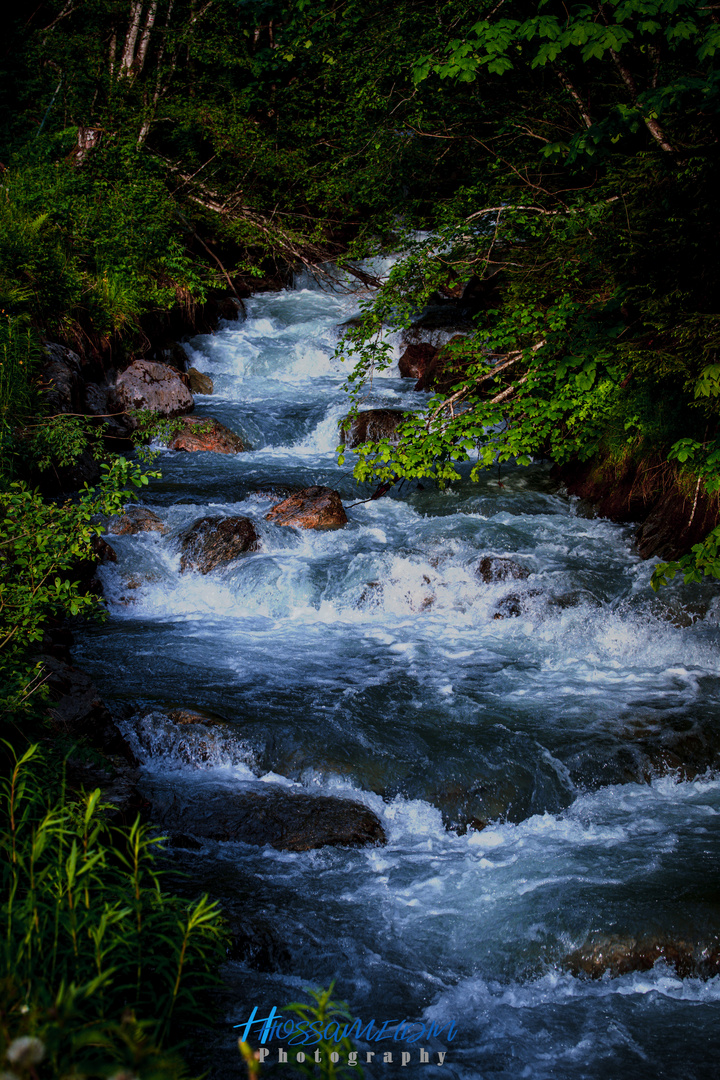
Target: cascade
[[539, 749]]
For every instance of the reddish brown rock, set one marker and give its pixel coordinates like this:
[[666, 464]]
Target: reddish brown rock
[[312, 508], [136, 519], [416, 359], [206, 435], [371, 426], [212, 541], [622, 955], [446, 369], [157, 387], [190, 716]]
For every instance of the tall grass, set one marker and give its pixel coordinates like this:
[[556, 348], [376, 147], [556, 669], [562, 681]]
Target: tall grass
[[99, 967]]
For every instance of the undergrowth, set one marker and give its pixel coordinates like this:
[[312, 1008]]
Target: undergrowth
[[99, 968]]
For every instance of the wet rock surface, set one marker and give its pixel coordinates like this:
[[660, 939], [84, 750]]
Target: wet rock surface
[[200, 383], [136, 519], [446, 368], [416, 359], [206, 435], [492, 568], [214, 541], [617, 956], [184, 737], [285, 819], [372, 425], [157, 387], [312, 508]]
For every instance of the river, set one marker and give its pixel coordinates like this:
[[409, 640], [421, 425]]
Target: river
[[367, 663]]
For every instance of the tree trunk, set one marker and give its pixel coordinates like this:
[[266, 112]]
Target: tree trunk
[[128, 55], [145, 38]]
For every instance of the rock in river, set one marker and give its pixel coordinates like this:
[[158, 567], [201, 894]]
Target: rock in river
[[136, 519], [312, 508], [617, 955], [371, 425], [287, 820], [157, 387], [214, 540], [491, 569], [416, 359], [200, 383], [208, 434]]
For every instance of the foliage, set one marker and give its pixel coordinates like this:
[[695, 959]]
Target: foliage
[[587, 214], [18, 397], [90, 940], [42, 544], [322, 1011], [62, 440], [149, 428]]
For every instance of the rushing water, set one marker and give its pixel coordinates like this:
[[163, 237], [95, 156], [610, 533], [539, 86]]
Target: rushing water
[[368, 663]]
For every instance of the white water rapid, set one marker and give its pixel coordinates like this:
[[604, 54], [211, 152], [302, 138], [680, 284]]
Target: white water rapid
[[367, 663]]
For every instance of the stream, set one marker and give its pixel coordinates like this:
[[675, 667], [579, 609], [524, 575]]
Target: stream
[[545, 779]]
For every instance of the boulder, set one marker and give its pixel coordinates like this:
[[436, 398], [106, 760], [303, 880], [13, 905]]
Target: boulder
[[96, 402], [199, 382], [209, 434], [491, 569], [157, 387], [285, 819], [230, 308], [212, 541], [61, 378], [312, 508], [136, 519], [372, 425], [446, 369], [103, 550], [416, 359], [621, 955]]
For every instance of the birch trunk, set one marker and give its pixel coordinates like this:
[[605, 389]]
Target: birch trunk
[[145, 38], [128, 55]]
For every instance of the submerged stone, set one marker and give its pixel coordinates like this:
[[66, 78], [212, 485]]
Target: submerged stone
[[617, 956], [200, 383], [491, 569]]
